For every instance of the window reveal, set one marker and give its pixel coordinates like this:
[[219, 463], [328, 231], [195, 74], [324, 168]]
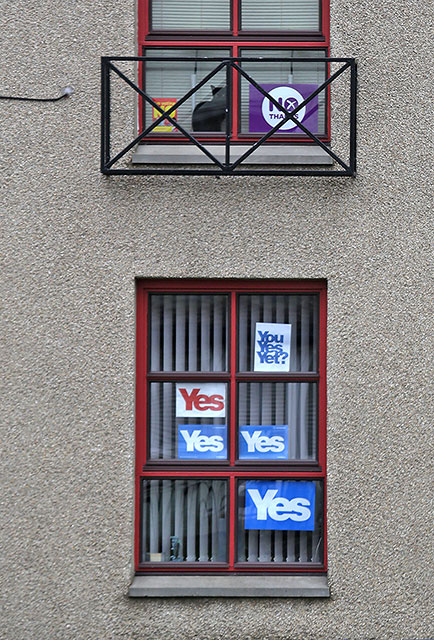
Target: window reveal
[[230, 457]]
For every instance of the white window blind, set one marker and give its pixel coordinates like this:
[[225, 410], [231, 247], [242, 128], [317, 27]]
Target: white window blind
[[175, 79], [280, 15], [209, 15]]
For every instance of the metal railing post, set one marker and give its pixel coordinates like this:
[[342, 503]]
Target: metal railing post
[[353, 117], [228, 111], [105, 114]]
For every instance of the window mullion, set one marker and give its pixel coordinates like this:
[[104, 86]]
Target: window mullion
[[232, 429], [236, 17], [233, 384]]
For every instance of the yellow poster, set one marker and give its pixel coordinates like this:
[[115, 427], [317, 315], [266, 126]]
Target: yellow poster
[[165, 104]]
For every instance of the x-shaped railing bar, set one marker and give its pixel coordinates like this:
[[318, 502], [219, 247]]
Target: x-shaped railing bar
[[165, 115], [230, 63], [290, 115]]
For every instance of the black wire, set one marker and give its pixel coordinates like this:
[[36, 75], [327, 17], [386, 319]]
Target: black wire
[[34, 99]]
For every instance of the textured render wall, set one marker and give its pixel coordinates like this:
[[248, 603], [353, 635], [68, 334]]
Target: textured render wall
[[73, 242]]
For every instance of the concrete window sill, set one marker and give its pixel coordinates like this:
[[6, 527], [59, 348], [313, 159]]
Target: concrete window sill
[[151, 586], [264, 155]]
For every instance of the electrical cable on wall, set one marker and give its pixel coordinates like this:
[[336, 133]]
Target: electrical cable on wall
[[66, 91]]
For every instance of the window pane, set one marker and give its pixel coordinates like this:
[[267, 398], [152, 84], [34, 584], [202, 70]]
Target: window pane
[[298, 311], [191, 15], [279, 536], [290, 82], [188, 420], [168, 82], [183, 521], [277, 421], [188, 332], [283, 15]]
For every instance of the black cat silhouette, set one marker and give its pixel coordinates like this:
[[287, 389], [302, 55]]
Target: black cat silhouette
[[209, 115]]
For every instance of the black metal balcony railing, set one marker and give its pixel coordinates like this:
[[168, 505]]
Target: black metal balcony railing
[[227, 167]]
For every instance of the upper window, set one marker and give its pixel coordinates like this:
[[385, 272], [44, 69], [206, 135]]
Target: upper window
[[277, 48], [230, 426], [235, 15]]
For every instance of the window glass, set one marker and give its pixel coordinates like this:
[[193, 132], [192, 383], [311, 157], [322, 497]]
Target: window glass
[[188, 420], [188, 332], [296, 319], [168, 82], [281, 15], [183, 521], [276, 524], [191, 15], [277, 421], [302, 78]]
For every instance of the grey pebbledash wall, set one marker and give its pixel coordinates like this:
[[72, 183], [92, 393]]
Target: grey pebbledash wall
[[73, 243]]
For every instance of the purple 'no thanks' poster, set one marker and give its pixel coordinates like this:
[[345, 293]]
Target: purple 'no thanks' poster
[[264, 115]]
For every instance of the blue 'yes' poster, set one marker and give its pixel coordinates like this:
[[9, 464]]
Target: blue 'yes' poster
[[286, 505], [202, 442]]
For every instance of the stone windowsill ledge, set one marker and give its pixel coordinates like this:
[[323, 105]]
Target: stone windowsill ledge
[[265, 154], [159, 586]]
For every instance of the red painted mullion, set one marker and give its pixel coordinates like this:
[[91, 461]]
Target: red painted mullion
[[232, 427], [259, 571], [198, 285], [232, 520], [239, 473], [142, 22], [326, 21], [233, 370], [322, 392], [141, 400], [235, 17], [225, 44], [322, 408]]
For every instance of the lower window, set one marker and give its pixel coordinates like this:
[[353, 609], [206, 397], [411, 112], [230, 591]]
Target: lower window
[[230, 471]]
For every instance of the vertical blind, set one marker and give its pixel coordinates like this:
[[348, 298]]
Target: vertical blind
[[164, 423], [276, 403], [259, 403], [300, 311], [188, 333], [184, 521]]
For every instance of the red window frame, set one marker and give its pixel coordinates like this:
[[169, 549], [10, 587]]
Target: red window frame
[[235, 40], [233, 470]]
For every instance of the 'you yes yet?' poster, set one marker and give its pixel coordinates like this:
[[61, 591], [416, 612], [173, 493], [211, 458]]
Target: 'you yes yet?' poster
[[272, 346]]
